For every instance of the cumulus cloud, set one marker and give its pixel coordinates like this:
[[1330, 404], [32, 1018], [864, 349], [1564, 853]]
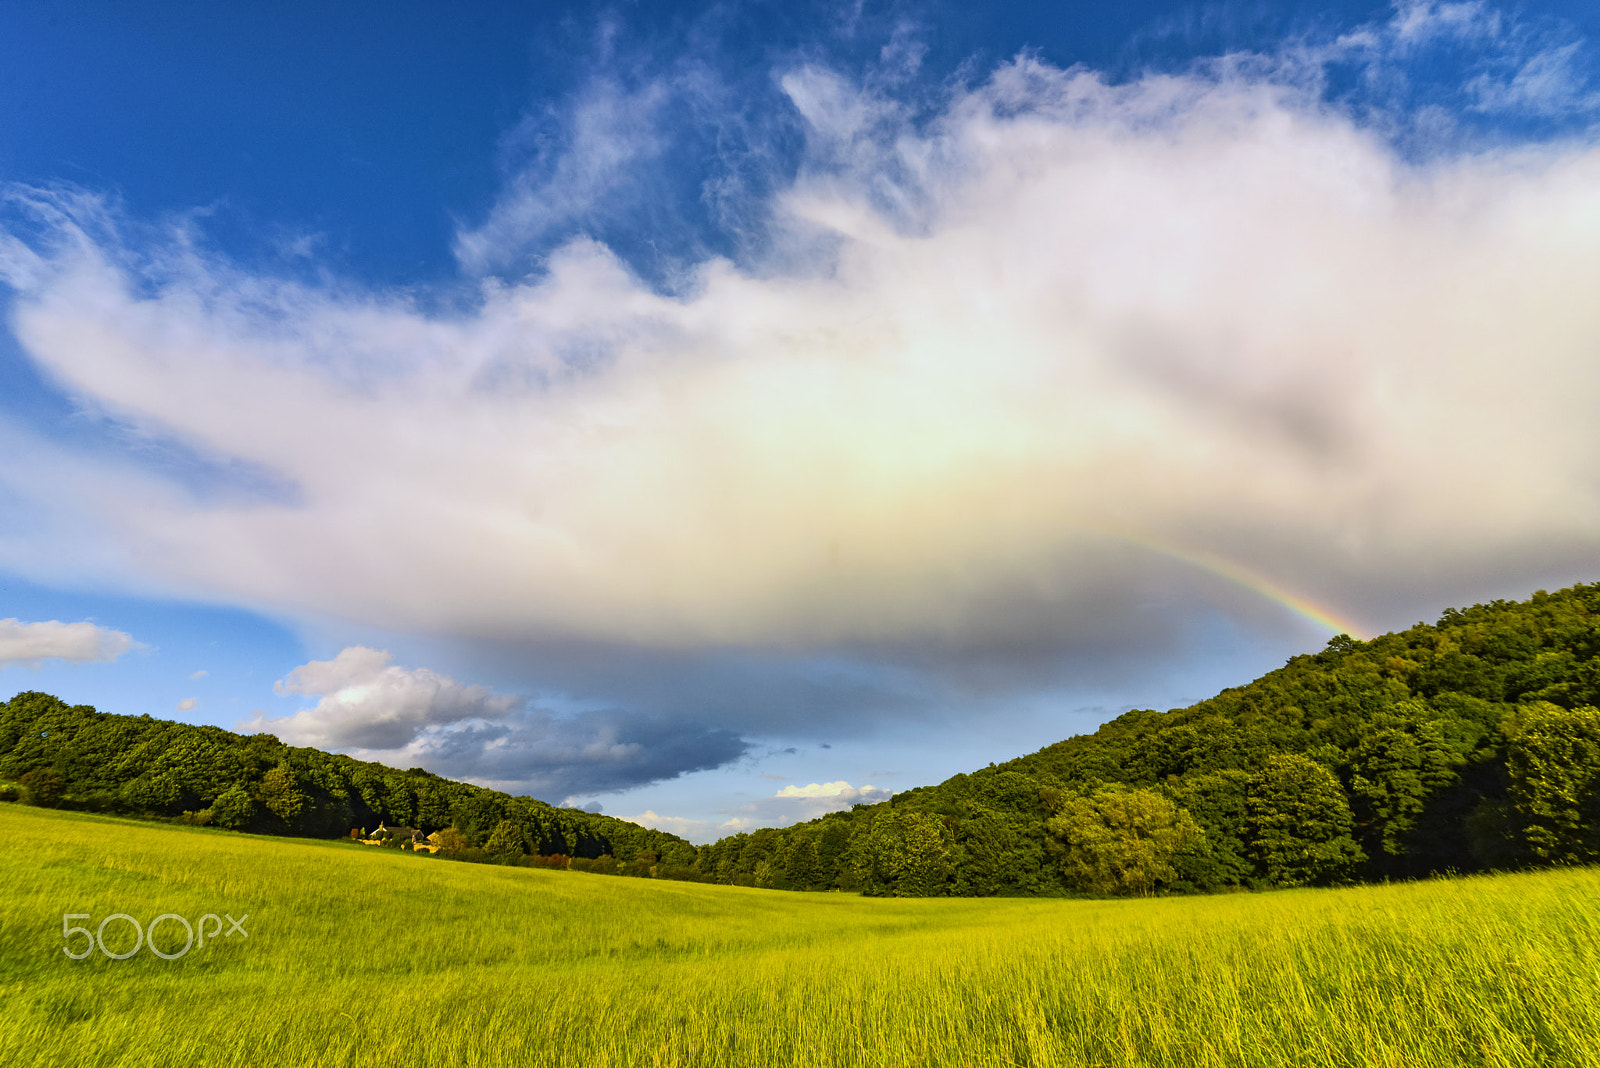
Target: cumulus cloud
[[376, 710], [368, 702], [682, 826], [796, 804], [792, 804], [1004, 361], [840, 791], [33, 643]]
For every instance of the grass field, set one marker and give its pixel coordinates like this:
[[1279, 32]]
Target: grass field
[[368, 957]]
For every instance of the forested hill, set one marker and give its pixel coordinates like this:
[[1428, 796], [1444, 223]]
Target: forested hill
[[1473, 743], [78, 757]]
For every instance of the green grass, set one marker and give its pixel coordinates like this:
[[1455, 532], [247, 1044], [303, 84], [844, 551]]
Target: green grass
[[368, 957]]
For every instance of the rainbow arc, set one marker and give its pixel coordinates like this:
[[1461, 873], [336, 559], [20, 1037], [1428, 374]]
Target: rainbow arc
[[1321, 615]]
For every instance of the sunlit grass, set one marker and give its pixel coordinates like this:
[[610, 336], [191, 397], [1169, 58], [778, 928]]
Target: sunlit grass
[[369, 957]]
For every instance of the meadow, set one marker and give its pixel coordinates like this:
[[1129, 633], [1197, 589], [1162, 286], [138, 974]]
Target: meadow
[[360, 956]]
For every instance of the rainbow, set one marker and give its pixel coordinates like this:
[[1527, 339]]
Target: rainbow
[[1322, 616]]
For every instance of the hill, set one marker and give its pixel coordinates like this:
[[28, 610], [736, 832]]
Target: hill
[[77, 757], [1465, 745], [352, 956]]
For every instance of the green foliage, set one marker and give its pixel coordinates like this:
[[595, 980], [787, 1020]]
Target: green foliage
[[43, 787], [1119, 840], [150, 767], [1395, 770], [1494, 835], [280, 792], [1553, 761], [505, 844], [451, 840], [1374, 759], [1218, 802], [903, 854], [1415, 776], [233, 809], [1301, 824]]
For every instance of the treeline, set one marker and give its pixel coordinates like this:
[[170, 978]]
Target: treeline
[[77, 757], [1467, 745]]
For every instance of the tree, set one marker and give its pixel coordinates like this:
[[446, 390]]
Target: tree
[[1301, 824], [1219, 804], [150, 793], [1553, 763], [1001, 853], [505, 843], [903, 854], [280, 792], [1394, 771], [233, 809], [452, 841], [799, 861], [1119, 840]]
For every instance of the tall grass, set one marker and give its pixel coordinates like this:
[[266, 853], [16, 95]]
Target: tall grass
[[372, 957]]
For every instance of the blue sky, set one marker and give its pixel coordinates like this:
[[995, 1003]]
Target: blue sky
[[719, 413]]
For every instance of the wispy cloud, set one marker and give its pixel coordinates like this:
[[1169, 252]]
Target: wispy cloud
[[582, 156]]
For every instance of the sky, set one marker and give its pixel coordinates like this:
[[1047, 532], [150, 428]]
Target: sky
[[718, 414]]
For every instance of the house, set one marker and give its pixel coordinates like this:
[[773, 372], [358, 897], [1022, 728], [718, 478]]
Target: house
[[408, 836]]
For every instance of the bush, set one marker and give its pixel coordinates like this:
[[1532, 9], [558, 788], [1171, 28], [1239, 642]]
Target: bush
[[554, 860], [605, 865], [43, 787], [452, 841], [10, 791], [97, 801]]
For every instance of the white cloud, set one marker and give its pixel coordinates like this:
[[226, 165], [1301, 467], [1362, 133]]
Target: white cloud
[[683, 827], [797, 804], [791, 805], [1510, 66], [376, 710], [199, 675], [602, 139], [188, 704], [1008, 356], [370, 703], [840, 791], [31, 643]]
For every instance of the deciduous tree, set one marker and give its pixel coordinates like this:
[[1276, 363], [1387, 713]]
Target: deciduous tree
[[1119, 840], [1301, 822]]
